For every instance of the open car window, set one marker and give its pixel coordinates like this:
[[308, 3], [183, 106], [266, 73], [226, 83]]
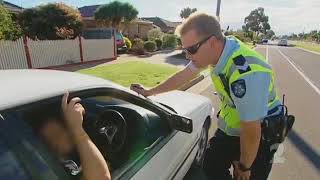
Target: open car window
[[145, 128]]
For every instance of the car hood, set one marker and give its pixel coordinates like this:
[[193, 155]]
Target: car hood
[[194, 106]]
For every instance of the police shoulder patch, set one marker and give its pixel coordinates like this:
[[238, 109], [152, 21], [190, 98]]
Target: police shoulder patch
[[238, 88]]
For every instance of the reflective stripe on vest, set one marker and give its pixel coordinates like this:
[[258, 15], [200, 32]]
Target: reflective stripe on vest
[[250, 61]]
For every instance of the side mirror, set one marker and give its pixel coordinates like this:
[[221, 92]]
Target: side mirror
[[181, 123]]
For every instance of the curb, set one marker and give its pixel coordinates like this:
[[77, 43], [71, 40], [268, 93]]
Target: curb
[[191, 83], [162, 51]]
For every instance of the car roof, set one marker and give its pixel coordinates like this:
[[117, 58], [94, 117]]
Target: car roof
[[20, 87]]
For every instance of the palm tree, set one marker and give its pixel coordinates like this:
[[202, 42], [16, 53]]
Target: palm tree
[[185, 13], [115, 12]]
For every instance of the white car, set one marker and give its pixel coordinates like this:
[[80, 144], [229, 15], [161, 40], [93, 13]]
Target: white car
[[156, 138], [283, 42]]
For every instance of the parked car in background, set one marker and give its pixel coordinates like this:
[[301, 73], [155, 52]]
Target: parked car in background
[[283, 42], [121, 45], [264, 41], [156, 138]]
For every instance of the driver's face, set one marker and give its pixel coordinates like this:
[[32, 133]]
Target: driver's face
[[57, 138]]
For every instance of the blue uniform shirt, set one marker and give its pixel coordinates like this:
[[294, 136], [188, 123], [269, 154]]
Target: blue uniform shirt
[[253, 105]]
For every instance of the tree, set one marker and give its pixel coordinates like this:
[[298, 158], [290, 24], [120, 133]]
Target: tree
[[185, 13], [293, 36], [269, 34], [301, 36], [9, 30], [314, 35], [115, 12], [257, 22], [51, 21]]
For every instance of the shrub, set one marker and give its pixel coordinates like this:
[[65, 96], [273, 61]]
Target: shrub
[[128, 42], [169, 41], [159, 43], [138, 46], [51, 21], [9, 30], [154, 34], [150, 46]]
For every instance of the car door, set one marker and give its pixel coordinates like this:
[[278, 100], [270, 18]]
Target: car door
[[168, 156], [173, 154], [173, 159]]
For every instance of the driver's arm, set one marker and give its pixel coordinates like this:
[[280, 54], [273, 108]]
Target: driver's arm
[[93, 163]]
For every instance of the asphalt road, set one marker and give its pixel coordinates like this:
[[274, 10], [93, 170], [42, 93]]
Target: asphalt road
[[298, 77]]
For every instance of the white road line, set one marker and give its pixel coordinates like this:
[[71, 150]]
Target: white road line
[[300, 72], [267, 54]]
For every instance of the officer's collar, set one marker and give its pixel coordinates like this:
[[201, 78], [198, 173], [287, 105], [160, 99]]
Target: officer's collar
[[230, 46]]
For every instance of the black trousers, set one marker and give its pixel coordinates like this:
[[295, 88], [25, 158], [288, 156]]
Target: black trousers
[[225, 149]]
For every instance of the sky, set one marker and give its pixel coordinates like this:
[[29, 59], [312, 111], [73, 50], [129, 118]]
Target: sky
[[285, 16]]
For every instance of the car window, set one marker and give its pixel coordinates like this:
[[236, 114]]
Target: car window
[[145, 128], [10, 167], [119, 36], [34, 157]]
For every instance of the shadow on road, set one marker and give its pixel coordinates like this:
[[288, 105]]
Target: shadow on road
[[177, 59], [305, 149]]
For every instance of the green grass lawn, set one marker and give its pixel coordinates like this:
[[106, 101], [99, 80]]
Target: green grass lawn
[[147, 74], [308, 45]]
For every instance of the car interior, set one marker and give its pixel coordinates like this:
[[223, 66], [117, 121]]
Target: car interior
[[122, 131]]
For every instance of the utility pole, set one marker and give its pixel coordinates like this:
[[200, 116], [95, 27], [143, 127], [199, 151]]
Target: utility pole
[[218, 9]]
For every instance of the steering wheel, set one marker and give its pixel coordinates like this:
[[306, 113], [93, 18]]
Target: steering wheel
[[111, 128]]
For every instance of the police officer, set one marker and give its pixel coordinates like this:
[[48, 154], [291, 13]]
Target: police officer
[[245, 84]]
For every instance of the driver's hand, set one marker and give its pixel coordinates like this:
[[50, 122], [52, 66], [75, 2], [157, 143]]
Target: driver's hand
[[73, 113], [140, 89]]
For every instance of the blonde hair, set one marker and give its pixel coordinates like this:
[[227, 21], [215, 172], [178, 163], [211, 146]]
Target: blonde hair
[[203, 24]]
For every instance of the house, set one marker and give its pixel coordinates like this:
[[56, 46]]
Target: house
[[136, 28], [12, 8], [165, 25]]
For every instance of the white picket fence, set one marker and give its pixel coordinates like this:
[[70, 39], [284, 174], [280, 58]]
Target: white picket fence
[[12, 55], [50, 53], [96, 49], [54, 53]]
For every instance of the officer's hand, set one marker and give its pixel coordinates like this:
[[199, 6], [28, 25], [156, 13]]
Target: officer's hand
[[73, 113], [240, 175], [140, 89], [235, 169]]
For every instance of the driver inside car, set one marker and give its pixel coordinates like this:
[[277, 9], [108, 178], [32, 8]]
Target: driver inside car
[[65, 136]]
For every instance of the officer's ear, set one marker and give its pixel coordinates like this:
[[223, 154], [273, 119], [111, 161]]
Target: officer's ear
[[212, 41]]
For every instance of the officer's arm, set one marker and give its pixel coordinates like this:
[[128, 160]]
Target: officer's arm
[[250, 134], [176, 80], [250, 95]]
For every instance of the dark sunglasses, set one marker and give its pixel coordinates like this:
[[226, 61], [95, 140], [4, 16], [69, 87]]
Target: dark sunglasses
[[194, 48]]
